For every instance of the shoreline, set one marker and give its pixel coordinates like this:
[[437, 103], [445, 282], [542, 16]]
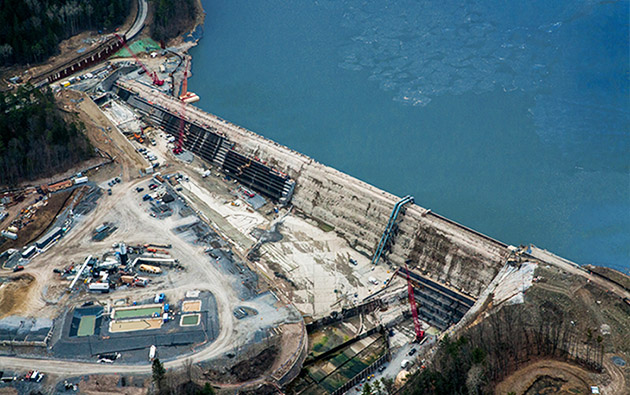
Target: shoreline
[[186, 45]]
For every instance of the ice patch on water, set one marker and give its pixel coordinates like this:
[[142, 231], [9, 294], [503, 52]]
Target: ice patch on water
[[419, 51], [448, 45]]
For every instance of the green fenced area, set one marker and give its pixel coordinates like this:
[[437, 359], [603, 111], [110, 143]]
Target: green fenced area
[[86, 325], [136, 312], [138, 47], [328, 375], [331, 336], [190, 320]]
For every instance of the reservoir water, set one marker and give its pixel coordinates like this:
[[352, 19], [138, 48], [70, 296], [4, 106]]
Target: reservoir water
[[512, 118]]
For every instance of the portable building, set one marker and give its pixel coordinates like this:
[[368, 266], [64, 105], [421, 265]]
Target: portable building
[[49, 237], [80, 180], [29, 252], [9, 235]]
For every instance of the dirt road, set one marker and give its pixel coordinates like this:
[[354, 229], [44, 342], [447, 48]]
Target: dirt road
[[136, 226], [573, 268]]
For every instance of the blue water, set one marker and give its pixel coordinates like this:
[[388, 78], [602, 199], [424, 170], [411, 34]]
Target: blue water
[[510, 117]]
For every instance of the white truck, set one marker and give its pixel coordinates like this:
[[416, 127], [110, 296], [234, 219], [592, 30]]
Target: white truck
[[152, 352]]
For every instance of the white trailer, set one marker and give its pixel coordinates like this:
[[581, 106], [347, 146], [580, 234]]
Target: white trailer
[[80, 180], [100, 287]]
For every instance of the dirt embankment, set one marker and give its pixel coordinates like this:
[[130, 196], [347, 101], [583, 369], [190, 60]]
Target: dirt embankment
[[108, 384], [15, 293], [245, 370], [40, 221], [621, 279]]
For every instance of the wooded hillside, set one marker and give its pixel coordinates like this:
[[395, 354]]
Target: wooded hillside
[[171, 18], [30, 30], [35, 141], [506, 340]]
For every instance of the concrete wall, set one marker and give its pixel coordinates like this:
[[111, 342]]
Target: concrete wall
[[359, 212]]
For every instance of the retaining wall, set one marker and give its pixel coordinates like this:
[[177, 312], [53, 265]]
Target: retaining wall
[[442, 249]]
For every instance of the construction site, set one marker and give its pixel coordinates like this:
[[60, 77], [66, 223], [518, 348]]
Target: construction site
[[193, 239]]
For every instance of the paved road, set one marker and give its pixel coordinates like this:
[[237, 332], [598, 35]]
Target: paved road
[[143, 9]]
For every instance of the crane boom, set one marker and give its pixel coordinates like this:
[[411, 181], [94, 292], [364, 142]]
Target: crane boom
[[185, 80], [156, 80], [180, 134], [414, 309]]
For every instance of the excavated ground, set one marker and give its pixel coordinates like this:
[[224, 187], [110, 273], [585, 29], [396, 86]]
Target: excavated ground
[[15, 294]]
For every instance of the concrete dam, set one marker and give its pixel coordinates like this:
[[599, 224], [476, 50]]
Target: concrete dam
[[446, 258]]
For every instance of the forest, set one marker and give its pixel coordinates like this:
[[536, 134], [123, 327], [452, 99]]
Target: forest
[[35, 140], [171, 18], [30, 30], [507, 340]]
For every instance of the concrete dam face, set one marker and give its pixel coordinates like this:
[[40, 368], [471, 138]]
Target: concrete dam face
[[437, 248]]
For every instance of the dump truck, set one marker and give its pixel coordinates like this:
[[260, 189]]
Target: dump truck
[[127, 279], [150, 269], [141, 282]]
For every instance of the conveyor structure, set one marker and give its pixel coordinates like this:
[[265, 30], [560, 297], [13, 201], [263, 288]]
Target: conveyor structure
[[391, 228]]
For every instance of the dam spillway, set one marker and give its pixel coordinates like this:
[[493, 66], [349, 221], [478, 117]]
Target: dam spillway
[[440, 249]]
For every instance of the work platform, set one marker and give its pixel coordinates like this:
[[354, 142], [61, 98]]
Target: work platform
[[438, 304], [204, 138]]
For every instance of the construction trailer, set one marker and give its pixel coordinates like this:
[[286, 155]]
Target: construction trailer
[[9, 235], [49, 237], [29, 252]]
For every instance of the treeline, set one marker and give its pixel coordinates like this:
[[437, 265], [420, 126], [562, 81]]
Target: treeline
[[171, 18], [488, 352], [30, 30], [35, 141]]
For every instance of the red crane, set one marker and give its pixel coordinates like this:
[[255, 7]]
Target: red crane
[[414, 309], [180, 138], [156, 80], [185, 80]]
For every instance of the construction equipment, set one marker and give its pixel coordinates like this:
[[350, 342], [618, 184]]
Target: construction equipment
[[243, 167], [180, 138], [154, 76], [184, 89], [414, 309]]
